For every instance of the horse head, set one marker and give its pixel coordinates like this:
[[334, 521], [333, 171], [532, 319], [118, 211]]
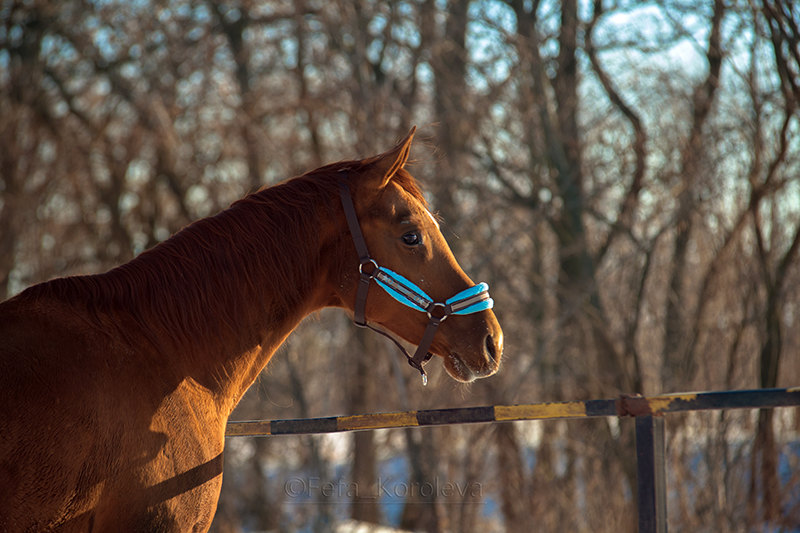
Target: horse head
[[403, 252]]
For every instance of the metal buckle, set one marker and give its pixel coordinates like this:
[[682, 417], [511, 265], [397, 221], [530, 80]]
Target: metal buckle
[[375, 267], [437, 319]]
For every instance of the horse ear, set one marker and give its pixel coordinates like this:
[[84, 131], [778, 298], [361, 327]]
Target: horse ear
[[388, 163]]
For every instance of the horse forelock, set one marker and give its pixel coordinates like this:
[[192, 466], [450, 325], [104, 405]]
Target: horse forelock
[[408, 183]]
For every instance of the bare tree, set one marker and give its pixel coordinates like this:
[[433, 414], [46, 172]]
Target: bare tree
[[622, 174]]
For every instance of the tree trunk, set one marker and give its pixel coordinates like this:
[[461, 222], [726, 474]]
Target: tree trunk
[[678, 367], [511, 469], [365, 471], [449, 63], [419, 513]]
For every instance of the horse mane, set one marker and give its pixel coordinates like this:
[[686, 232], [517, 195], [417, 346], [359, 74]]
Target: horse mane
[[264, 248]]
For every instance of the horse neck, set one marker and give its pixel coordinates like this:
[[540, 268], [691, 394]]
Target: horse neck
[[213, 302], [269, 270]]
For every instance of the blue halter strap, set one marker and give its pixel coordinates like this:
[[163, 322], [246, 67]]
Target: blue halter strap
[[471, 300], [468, 301]]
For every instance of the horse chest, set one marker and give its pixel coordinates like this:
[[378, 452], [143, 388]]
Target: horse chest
[[93, 449], [166, 477], [181, 474]]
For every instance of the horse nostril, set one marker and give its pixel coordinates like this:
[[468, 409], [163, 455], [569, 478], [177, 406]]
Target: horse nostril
[[491, 350]]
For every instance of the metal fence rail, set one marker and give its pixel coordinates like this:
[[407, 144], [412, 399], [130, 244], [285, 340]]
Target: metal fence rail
[[647, 410]]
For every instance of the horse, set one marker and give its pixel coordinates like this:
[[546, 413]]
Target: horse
[[116, 387]]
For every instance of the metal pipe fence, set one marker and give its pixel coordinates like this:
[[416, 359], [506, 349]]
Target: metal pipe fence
[[648, 412]]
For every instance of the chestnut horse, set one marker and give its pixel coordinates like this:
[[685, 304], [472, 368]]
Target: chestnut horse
[[116, 388]]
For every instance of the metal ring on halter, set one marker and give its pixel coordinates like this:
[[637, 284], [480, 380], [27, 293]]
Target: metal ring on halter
[[441, 319], [366, 261]]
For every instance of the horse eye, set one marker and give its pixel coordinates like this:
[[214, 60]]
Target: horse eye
[[412, 238]]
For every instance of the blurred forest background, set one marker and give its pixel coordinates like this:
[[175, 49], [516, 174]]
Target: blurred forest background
[[625, 175]]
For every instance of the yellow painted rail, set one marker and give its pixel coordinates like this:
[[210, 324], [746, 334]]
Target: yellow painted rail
[[624, 406]]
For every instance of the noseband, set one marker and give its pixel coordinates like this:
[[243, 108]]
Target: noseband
[[468, 301]]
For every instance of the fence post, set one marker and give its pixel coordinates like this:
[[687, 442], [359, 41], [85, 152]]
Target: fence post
[[651, 474]]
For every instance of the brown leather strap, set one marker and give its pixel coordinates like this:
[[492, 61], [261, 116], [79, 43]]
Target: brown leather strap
[[366, 269], [352, 222], [359, 310], [422, 354]]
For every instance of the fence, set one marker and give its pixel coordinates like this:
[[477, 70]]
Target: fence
[[648, 413]]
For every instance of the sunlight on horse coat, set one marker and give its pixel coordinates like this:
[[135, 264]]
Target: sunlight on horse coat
[[116, 387]]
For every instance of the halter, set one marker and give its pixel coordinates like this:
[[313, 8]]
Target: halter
[[471, 300]]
